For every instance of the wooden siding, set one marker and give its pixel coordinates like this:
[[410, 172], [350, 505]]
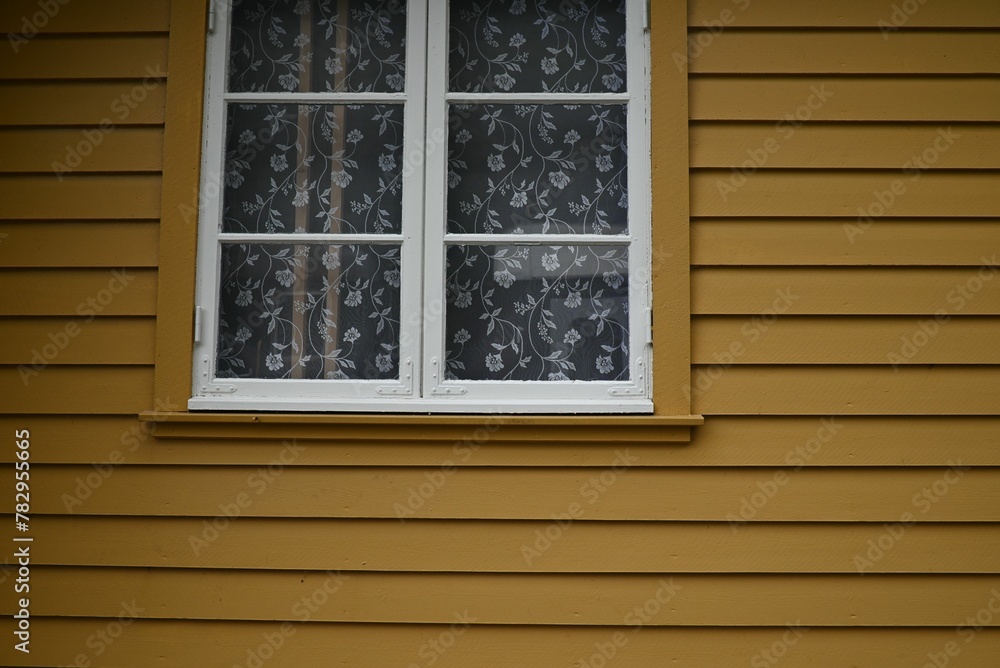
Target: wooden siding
[[847, 430]]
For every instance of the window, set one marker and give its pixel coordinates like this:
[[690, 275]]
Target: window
[[426, 206]]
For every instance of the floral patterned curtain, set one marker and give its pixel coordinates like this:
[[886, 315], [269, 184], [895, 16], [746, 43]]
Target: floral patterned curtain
[[545, 311], [312, 311], [556, 311]]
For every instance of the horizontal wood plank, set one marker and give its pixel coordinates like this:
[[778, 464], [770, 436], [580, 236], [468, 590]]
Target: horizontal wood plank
[[850, 390], [950, 99], [103, 197], [825, 145], [78, 244], [722, 441], [87, 293], [846, 340], [120, 103], [196, 643], [117, 390], [62, 16], [125, 149], [866, 51], [558, 599], [842, 242], [87, 57], [767, 291], [844, 14], [476, 545], [39, 341], [832, 193], [858, 441], [615, 492]]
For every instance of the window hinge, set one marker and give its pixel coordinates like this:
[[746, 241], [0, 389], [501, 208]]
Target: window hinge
[[211, 16], [197, 324], [649, 325], [646, 11]]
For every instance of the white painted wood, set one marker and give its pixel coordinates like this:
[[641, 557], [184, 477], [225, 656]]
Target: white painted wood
[[436, 405], [289, 392], [233, 238], [318, 97], [539, 239], [640, 194], [585, 396], [537, 98], [423, 243]]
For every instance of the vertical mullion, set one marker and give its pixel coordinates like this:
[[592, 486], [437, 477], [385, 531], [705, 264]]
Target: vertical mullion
[[434, 301], [412, 247]]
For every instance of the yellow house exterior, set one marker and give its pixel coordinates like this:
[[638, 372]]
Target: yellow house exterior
[[819, 484]]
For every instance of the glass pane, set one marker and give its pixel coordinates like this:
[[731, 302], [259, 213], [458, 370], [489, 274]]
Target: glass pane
[[299, 46], [552, 169], [535, 46], [537, 313], [324, 168], [313, 312]]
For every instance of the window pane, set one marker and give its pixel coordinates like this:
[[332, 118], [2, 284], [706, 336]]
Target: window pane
[[537, 313], [525, 46], [553, 169], [298, 46], [313, 168], [313, 311]]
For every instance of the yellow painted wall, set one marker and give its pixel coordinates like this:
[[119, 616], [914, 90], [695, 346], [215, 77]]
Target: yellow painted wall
[[811, 434]]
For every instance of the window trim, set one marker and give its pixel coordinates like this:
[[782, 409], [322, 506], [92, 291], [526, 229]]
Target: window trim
[[670, 224]]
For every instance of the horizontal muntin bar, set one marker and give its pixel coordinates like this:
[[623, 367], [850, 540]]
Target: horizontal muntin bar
[[315, 98], [537, 239], [335, 239]]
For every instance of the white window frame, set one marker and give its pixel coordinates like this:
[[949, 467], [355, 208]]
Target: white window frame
[[421, 386]]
